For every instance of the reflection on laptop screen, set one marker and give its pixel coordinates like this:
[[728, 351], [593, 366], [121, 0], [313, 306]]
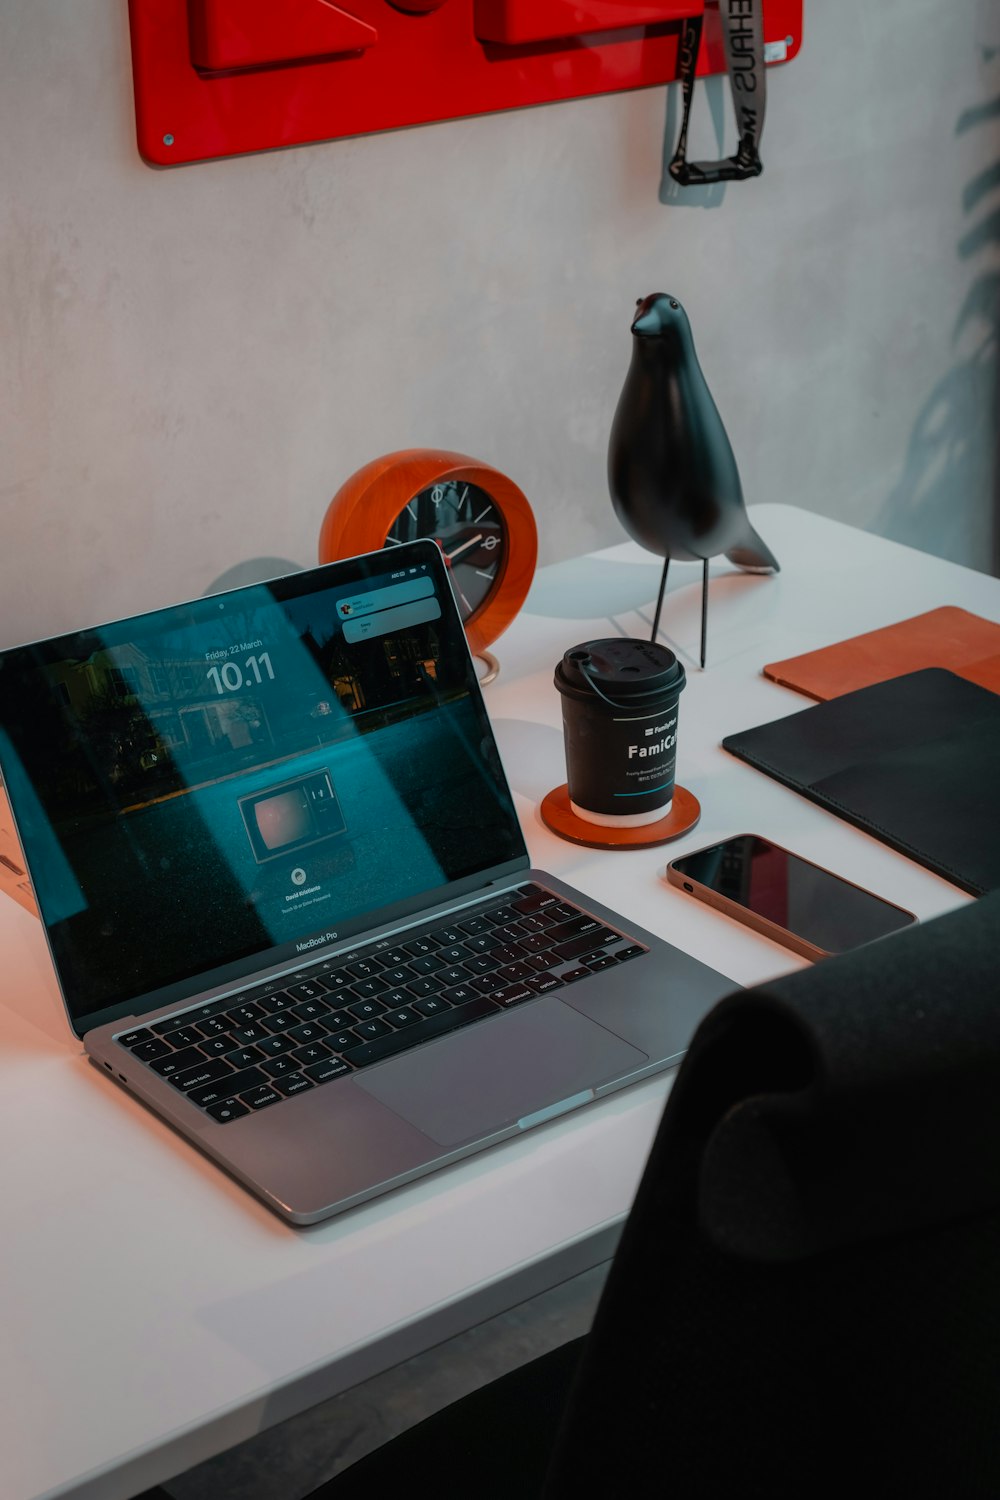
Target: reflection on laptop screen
[[250, 776]]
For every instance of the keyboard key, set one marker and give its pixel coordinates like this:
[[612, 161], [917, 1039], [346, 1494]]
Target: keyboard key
[[368, 989], [177, 1062], [459, 994], [226, 1110], [361, 1010], [277, 1046], [484, 983], [403, 1017], [216, 1046], [447, 935], [261, 1097], [368, 1030], [483, 942], [134, 1038], [308, 1010], [600, 961], [631, 952], [511, 932], [543, 983], [541, 922], [215, 1025], [338, 1019], [284, 1020], [513, 994], [271, 1004], [212, 1093], [295, 1083], [331, 1067], [244, 1036], [398, 975], [453, 954], [422, 987], [309, 989], [341, 1040], [452, 976], [277, 1067], [339, 980], [245, 1057], [532, 898], [155, 1047], [365, 968], [480, 963], [473, 926], [226, 1088], [572, 976], [313, 1052], [389, 999], [539, 942], [431, 1004], [209, 1070], [433, 1026], [394, 956], [509, 953], [512, 972], [426, 965], [581, 925], [163, 1028], [185, 1036], [246, 1015], [498, 915], [539, 961], [579, 946], [421, 946]]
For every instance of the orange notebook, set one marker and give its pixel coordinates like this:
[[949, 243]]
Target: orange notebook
[[947, 637], [13, 876]]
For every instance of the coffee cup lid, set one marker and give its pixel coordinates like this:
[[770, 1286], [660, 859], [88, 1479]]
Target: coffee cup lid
[[621, 669]]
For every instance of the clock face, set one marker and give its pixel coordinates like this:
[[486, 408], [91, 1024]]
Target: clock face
[[468, 526]]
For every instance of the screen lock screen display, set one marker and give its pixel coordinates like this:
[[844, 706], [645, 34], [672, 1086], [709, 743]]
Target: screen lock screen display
[[265, 770]]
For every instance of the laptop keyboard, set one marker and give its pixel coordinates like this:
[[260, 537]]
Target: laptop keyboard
[[279, 1039]]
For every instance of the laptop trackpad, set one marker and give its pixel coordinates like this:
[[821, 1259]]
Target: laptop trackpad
[[498, 1072]]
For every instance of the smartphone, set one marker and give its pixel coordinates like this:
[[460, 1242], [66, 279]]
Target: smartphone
[[785, 897]]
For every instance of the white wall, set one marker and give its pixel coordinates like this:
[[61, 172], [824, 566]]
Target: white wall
[[192, 360]]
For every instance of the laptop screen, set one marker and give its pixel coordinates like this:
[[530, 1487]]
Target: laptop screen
[[229, 784]]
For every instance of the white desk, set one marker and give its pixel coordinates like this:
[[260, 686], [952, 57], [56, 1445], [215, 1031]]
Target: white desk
[[152, 1313]]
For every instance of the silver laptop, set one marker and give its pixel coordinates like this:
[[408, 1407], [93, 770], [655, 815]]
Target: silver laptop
[[287, 896]]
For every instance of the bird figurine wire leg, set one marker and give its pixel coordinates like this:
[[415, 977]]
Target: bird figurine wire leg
[[704, 605], [659, 597]]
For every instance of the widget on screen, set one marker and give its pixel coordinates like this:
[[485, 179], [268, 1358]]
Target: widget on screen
[[291, 815]]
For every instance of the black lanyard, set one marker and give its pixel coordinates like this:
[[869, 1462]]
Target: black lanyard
[[743, 37]]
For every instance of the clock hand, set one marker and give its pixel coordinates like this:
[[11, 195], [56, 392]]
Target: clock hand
[[464, 547]]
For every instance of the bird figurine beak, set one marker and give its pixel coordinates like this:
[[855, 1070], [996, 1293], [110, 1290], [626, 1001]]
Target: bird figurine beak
[[647, 324]]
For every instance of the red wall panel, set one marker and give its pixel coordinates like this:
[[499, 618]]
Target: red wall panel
[[219, 77]]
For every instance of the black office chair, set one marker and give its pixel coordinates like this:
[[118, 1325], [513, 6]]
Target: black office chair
[[806, 1297]]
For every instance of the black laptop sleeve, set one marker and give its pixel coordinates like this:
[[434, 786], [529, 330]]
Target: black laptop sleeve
[[914, 761]]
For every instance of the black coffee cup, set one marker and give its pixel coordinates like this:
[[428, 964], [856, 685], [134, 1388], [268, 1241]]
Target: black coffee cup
[[619, 707]]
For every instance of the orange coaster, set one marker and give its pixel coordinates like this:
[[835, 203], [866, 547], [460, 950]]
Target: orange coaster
[[556, 813]]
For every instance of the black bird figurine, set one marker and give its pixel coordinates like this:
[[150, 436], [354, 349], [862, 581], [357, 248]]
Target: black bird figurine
[[674, 482]]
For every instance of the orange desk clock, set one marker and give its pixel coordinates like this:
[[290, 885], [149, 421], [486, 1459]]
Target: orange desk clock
[[479, 518]]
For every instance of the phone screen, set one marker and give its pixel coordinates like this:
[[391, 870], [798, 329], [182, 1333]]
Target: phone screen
[[798, 896]]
